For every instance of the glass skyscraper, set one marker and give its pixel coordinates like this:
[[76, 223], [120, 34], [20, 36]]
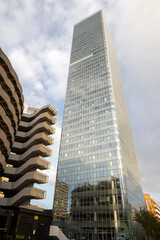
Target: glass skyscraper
[[98, 186]]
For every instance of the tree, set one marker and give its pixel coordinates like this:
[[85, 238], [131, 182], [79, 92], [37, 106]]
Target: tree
[[150, 224]]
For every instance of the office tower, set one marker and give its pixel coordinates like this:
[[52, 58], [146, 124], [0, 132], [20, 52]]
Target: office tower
[[11, 108], [28, 154], [152, 206], [97, 159]]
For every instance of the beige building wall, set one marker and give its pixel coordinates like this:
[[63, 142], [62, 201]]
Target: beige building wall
[[11, 108], [28, 154]]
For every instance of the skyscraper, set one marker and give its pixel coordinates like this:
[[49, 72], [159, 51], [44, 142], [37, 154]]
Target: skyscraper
[[97, 160]]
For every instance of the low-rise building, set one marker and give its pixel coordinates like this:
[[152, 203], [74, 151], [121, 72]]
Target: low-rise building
[[152, 206]]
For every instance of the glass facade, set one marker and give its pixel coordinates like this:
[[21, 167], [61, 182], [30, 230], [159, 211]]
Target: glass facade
[[98, 186]]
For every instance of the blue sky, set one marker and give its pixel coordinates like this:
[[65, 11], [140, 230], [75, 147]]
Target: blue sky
[[36, 35]]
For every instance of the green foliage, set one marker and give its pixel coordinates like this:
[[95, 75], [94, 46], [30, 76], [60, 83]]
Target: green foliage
[[150, 224]]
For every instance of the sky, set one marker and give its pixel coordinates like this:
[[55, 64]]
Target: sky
[[36, 36]]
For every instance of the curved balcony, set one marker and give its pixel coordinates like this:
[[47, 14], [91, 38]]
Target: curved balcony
[[5, 124], [37, 112], [38, 138], [11, 106], [50, 128], [52, 110], [51, 118], [44, 164], [24, 195], [43, 117], [46, 150], [41, 127], [48, 138], [5, 63], [5, 144], [32, 207], [43, 178], [38, 193], [30, 165], [2, 160], [37, 150], [22, 182], [10, 90], [9, 109]]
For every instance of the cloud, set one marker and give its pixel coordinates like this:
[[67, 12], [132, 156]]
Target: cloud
[[36, 35], [56, 65], [137, 38], [36, 54], [155, 196], [21, 20], [27, 65]]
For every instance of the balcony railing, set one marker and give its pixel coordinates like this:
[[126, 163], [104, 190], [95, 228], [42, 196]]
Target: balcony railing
[[53, 119], [46, 150], [41, 177], [43, 162], [33, 207], [39, 193], [50, 127], [48, 138], [53, 109]]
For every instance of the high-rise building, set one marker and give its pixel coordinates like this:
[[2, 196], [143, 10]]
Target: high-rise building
[[24, 140], [28, 154], [11, 108], [97, 160]]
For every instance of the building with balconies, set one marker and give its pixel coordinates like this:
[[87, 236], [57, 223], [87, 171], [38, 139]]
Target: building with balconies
[[28, 154], [152, 206], [24, 141], [11, 108]]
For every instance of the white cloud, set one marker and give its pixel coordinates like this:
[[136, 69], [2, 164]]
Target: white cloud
[[137, 35], [56, 64], [155, 196], [28, 67], [37, 38]]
